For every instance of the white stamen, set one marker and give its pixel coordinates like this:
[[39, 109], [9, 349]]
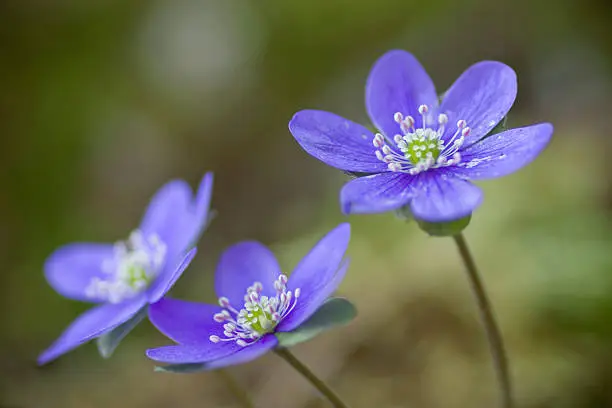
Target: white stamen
[[259, 315], [423, 148], [136, 263]]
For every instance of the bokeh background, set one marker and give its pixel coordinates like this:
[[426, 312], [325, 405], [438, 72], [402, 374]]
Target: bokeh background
[[103, 101]]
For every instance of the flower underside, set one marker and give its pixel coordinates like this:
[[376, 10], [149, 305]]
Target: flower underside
[[259, 316], [420, 149], [135, 264]]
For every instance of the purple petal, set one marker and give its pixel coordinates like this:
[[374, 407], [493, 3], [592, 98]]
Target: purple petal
[[378, 193], [505, 152], [166, 280], [481, 96], [240, 266], [170, 216], [189, 323], [336, 141], [397, 83], [246, 354], [185, 354], [207, 354], [92, 324], [442, 197], [307, 305], [70, 269], [202, 203], [315, 273]]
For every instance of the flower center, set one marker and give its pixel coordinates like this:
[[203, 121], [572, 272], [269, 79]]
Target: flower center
[[260, 314], [135, 264], [420, 149]]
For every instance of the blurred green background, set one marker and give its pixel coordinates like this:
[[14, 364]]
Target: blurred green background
[[103, 101]]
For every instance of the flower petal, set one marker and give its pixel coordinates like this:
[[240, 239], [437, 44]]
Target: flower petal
[[307, 305], [186, 354], [214, 357], [92, 324], [442, 197], [315, 273], [202, 203], [481, 96], [188, 323], [166, 280], [246, 354], [170, 216], [505, 152], [377, 193], [70, 269], [398, 83], [336, 141], [240, 266]]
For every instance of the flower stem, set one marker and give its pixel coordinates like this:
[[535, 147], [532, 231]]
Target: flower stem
[[496, 343], [236, 390], [311, 377]]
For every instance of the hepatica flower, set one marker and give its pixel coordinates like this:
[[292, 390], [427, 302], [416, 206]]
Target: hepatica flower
[[256, 301], [425, 153], [125, 277]]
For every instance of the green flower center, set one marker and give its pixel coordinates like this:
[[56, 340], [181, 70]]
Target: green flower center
[[425, 144], [137, 277], [420, 149], [260, 320], [259, 316]]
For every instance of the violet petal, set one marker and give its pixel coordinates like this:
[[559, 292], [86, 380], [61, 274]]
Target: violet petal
[[336, 141], [398, 83]]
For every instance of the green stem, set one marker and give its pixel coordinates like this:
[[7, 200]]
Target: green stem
[[236, 390], [311, 377], [494, 337]]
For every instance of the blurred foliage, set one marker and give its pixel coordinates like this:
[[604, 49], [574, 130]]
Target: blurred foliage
[[103, 101]]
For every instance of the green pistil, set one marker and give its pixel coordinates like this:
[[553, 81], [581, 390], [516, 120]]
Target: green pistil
[[421, 149], [136, 275], [261, 321]]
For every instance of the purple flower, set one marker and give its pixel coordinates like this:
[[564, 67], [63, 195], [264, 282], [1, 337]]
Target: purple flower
[[126, 277], [255, 301], [426, 153]]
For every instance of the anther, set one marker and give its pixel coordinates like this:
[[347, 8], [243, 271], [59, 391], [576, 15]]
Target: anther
[[378, 141], [224, 302], [423, 109], [398, 117], [394, 166], [461, 124], [442, 119], [214, 339], [386, 149], [465, 132]]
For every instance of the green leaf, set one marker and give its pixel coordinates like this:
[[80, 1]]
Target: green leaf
[[107, 343], [186, 368], [334, 312]]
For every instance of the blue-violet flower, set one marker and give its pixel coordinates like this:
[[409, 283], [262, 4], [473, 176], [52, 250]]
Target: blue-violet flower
[[126, 277], [426, 152], [256, 300]]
